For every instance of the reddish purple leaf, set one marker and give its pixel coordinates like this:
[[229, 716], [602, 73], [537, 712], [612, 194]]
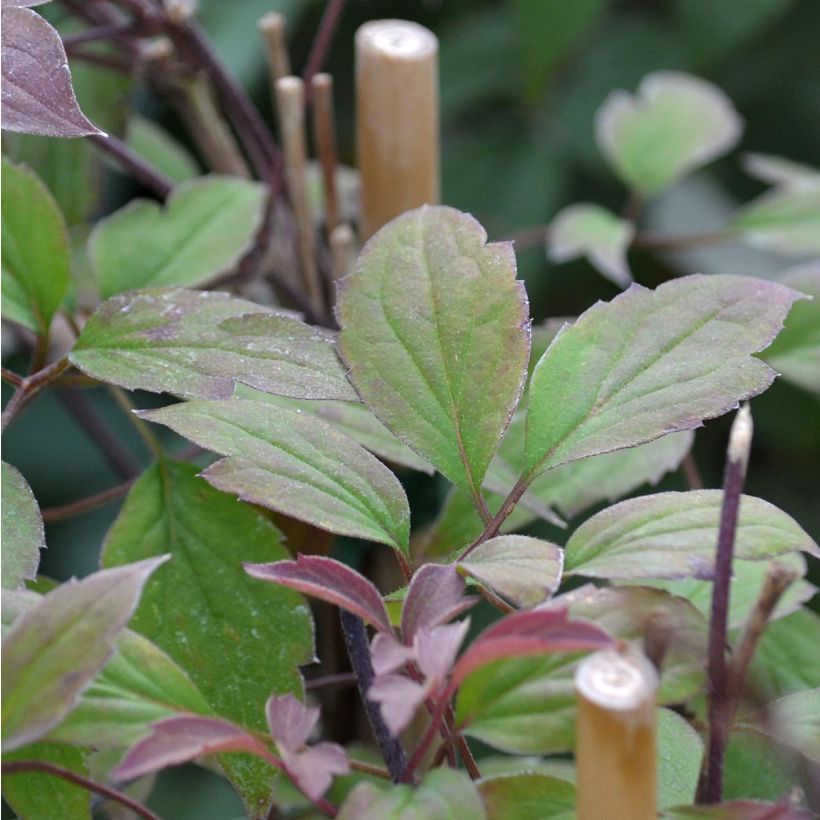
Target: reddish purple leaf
[[180, 739], [436, 649], [435, 596], [23, 4], [399, 698], [529, 633], [290, 721], [312, 770], [387, 654], [37, 93], [331, 581]]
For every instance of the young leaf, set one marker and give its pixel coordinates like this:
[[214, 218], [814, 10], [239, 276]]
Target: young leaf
[[329, 580], [236, 639], [673, 535], [35, 248], [674, 124], [295, 464], [23, 534], [201, 232], [139, 686], [436, 334], [434, 597], [521, 569], [177, 740], [52, 652], [155, 145], [795, 353], [795, 721], [200, 344], [37, 93], [525, 795], [649, 363], [592, 231], [40, 796], [444, 794], [354, 420]]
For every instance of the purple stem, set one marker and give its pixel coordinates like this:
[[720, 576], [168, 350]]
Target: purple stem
[[324, 39], [135, 165]]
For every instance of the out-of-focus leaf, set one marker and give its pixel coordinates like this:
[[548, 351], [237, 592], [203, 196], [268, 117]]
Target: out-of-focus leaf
[[23, 534], [649, 363], [673, 535], [155, 145], [787, 660], [782, 173], [442, 359], [201, 343], [527, 705], [35, 250], [40, 796], [179, 739], [674, 124], [740, 810], [592, 231], [295, 464], [139, 686], [796, 722], [236, 639], [52, 652], [747, 581], [445, 794], [201, 232], [523, 570], [353, 419], [680, 755], [523, 796], [435, 596], [37, 93], [329, 580]]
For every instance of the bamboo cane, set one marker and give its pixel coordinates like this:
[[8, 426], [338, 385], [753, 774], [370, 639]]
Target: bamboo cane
[[616, 743]]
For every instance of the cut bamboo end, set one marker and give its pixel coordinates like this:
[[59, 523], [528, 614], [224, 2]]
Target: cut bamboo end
[[321, 87], [274, 29], [342, 250], [290, 103], [397, 119], [616, 736]]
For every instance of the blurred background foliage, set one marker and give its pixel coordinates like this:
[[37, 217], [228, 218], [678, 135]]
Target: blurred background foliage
[[520, 83]]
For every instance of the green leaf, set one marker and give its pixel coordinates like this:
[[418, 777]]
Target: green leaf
[[53, 651], [521, 569], [680, 755], [354, 420], [200, 344], [444, 794], [673, 535], [649, 363], [526, 795], [201, 233], [40, 796], [795, 721], [592, 231], [137, 687], [295, 464], [674, 124], [795, 353], [238, 640], [527, 705], [787, 660], [155, 145], [23, 533], [35, 250], [748, 578], [440, 359]]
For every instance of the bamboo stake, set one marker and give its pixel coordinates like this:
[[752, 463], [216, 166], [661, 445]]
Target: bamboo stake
[[616, 736], [273, 27], [342, 250], [290, 100], [397, 128], [321, 87]]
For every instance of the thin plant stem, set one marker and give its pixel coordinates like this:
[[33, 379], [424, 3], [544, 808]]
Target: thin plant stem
[[74, 508], [30, 386], [274, 30], [358, 650], [691, 472], [718, 670], [339, 679], [368, 768], [28, 766], [426, 739], [39, 353], [14, 379], [95, 33], [495, 601], [135, 165], [108, 61], [151, 441], [323, 39], [324, 132]]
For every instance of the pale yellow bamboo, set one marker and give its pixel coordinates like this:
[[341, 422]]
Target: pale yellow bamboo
[[342, 250], [616, 736], [290, 101], [273, 27], [397, 119], [324, 131]]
